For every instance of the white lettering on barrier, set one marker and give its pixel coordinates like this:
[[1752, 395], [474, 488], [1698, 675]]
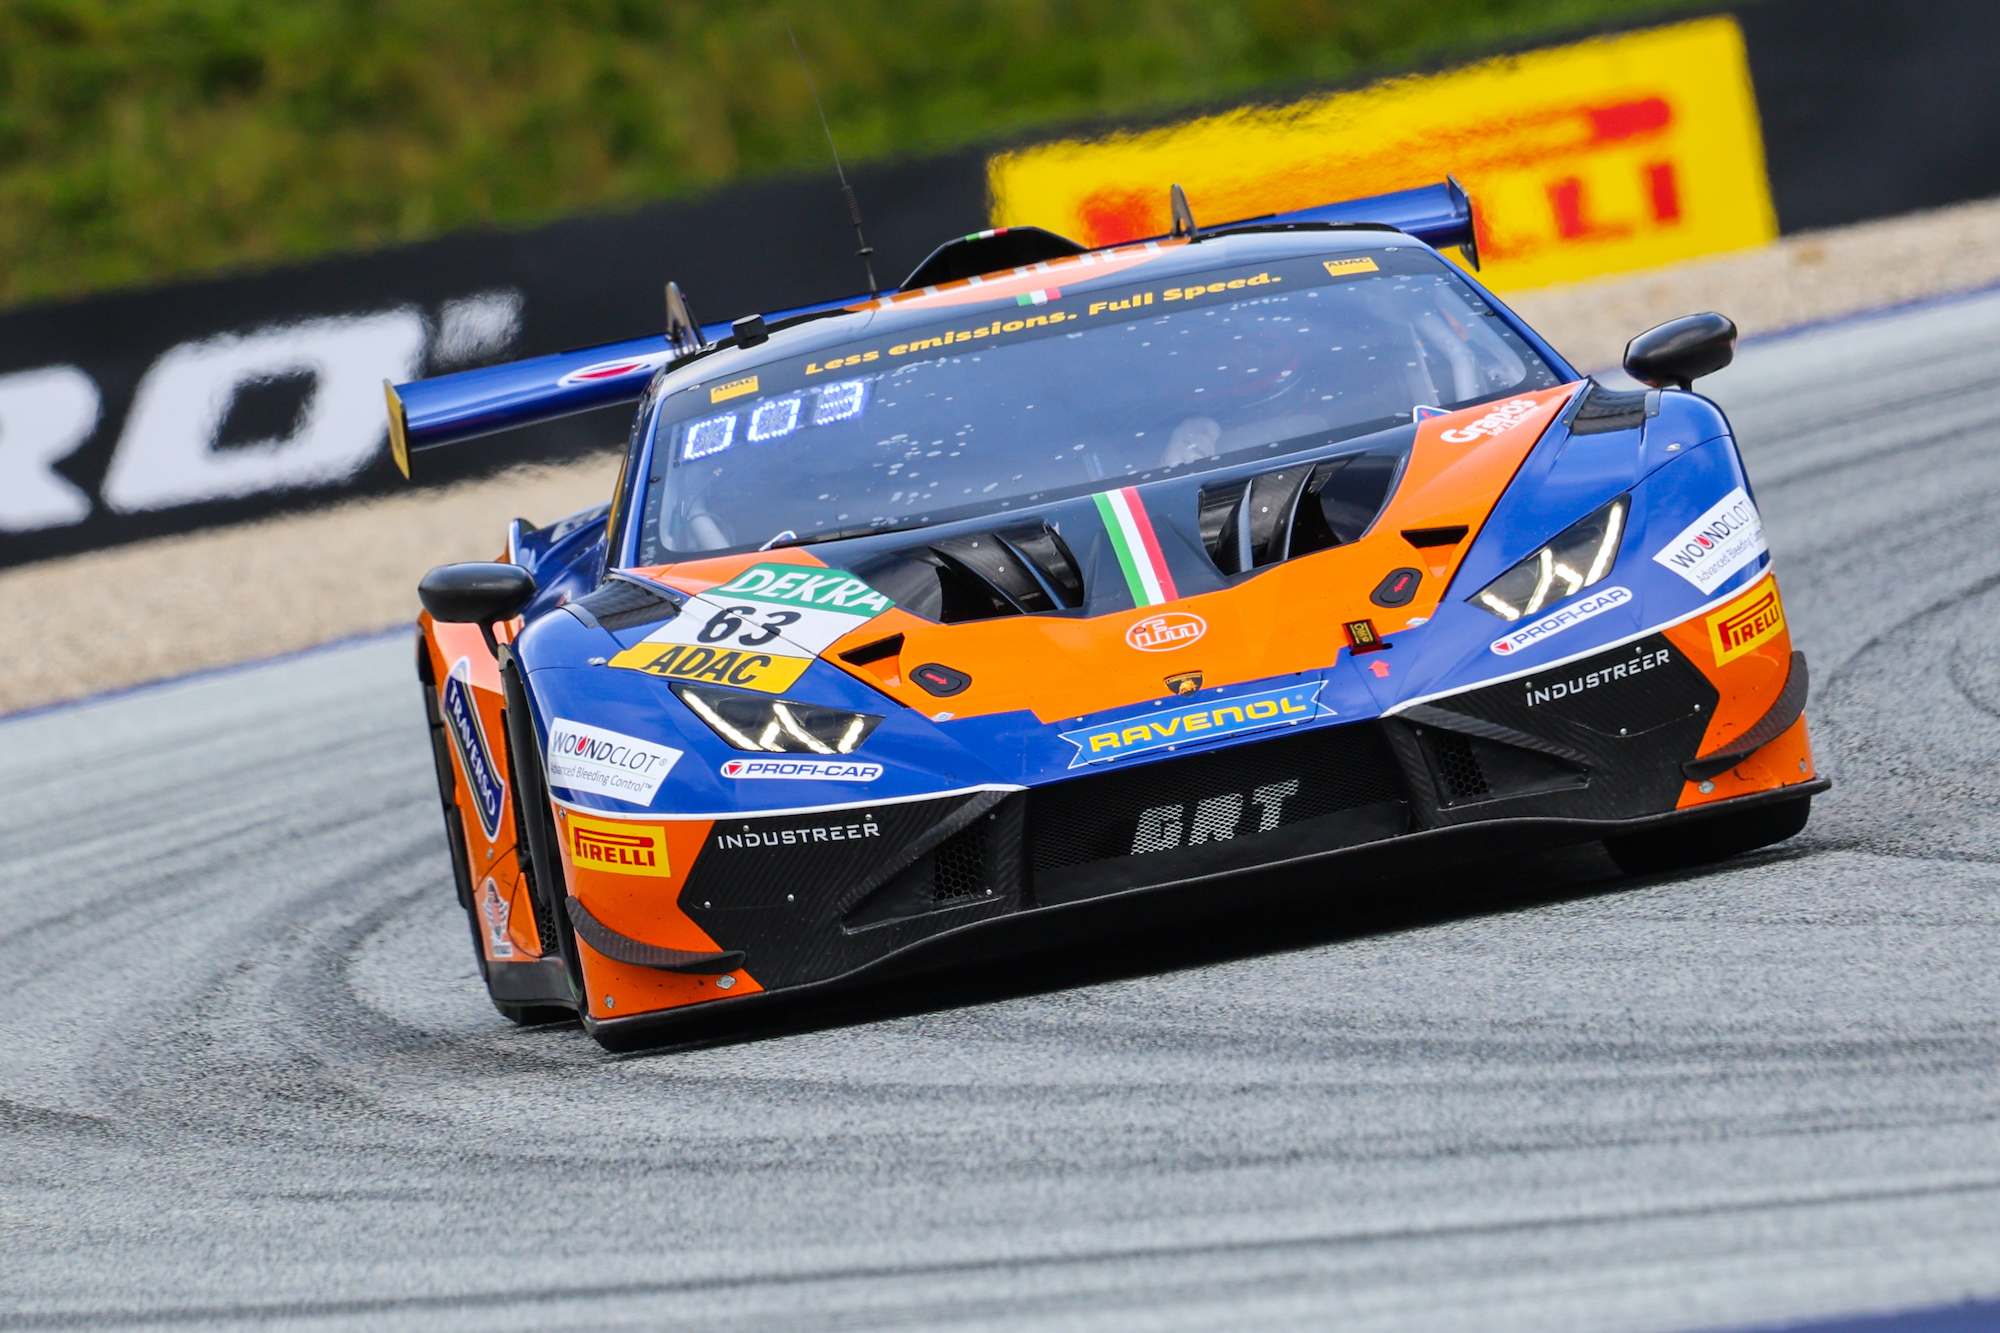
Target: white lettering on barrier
[[44, 415], [168, 453]]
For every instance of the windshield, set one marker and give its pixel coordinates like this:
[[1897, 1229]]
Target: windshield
[[1065, 395]]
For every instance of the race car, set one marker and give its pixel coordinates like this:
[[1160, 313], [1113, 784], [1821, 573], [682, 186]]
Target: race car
[[1064, 580]]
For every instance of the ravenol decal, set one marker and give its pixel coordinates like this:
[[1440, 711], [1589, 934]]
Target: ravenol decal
[[1166, 632], [1137, 546], [807, 770], [475, 756], [1122, 737], [618, 847], [767, 672], [1560, 619], [1746, 623], [606, 763], [1727, 538], [800, 585]]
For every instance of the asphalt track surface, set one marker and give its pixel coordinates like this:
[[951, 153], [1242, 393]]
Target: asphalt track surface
[[247, 1079]]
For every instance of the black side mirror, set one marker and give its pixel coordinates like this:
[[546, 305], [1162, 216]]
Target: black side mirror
[[477, 593], [1681, 351]]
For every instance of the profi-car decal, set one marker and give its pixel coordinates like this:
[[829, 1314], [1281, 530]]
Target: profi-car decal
[[1729, 537], [606, 763], [1121, 737], [803, 770], [475, 756], [1138, 547], [1747, 623], [1560, 619]]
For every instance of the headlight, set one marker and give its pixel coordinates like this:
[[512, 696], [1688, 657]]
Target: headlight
[[1581, 554], [779, 726]]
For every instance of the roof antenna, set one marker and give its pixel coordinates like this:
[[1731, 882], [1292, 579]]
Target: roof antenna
[[1183, 216], [853, 208]]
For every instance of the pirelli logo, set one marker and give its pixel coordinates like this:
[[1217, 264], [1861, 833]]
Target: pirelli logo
[[618, 847], [1745, 625]]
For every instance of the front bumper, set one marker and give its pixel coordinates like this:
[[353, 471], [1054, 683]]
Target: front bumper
[[1596, 748]]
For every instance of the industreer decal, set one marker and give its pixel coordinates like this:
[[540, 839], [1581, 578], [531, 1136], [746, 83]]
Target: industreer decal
[[475, 756], [1747, 623], [1120, 737], [866, 827], [1547, 691], [606, 763], [1560, 619], [1729, 537], [618, 847]]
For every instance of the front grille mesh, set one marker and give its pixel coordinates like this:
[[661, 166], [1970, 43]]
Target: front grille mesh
[[959, 865], [1458, 767], [1244, 790]]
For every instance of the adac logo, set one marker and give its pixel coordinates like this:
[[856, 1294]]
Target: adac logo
[[619, 847], [1166, 632], [475, 756], [1746, 624]]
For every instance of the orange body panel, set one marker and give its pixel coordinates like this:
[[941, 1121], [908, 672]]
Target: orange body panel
[[642, 905], [1748, 675], [493, 858], [1288, 618]]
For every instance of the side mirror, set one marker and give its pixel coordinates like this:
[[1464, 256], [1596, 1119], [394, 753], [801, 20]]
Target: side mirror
[[477, 593], [1681, 351]]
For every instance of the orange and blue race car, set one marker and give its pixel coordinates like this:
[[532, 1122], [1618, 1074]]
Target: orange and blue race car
[[1065, 576]]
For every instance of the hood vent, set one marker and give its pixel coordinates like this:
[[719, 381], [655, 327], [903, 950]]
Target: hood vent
[[622, 602], [1603, 410], [1017, 571], [1294, 511]]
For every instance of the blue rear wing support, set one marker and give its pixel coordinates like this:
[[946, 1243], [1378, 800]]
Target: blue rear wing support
[[429, 413]]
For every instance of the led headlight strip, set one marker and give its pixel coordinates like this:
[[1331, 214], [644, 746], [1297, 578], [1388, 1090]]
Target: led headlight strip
[[1580, 555], [777, 726]]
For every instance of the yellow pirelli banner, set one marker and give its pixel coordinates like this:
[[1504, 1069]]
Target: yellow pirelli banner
[[1612, 154]]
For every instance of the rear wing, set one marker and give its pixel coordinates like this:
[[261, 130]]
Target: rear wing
[[428, 413]]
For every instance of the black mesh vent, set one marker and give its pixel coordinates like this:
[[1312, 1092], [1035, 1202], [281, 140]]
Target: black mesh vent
[[1608, 410], [1458, 768], [622, 603], [1247, 789], [959, 869]]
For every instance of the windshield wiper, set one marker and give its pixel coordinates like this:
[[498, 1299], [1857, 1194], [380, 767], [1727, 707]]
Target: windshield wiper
[[842, 534]]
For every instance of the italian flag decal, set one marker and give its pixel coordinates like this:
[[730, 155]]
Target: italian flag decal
[[1139, 553]]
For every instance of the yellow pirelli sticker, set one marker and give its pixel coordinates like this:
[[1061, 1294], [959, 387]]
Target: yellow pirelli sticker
[[1341, 267], [1746, 624], [1601, 156], [768, 672], [733, 389], [618, 847]]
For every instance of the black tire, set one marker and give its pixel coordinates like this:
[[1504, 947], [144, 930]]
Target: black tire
[[1678, 846]]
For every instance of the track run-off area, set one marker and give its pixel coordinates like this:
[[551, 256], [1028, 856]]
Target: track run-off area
[[248, 1076]]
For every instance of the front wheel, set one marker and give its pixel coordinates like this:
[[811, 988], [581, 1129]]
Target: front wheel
[[1678, 846]]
